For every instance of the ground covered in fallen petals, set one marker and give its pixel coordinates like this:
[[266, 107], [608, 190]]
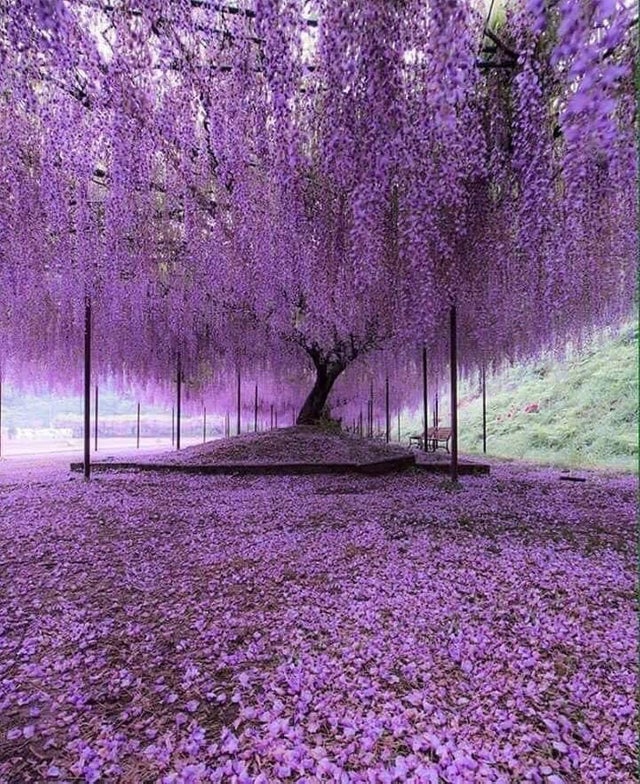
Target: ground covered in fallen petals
[[300, 444], [321, 629]]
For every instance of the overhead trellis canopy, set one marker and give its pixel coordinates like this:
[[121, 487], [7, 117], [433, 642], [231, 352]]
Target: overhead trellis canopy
[[278, 180]]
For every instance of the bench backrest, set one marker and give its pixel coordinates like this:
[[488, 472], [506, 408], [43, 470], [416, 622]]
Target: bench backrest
[[439, 433]]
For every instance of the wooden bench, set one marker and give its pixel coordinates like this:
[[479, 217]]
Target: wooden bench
[[436, 437]]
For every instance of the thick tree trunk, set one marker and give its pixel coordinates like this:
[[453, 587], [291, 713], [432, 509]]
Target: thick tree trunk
[[329, 364], [314, 406]]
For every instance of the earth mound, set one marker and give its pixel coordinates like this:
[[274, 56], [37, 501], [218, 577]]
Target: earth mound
[[298, 444]]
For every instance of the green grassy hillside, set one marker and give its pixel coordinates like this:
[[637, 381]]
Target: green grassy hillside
[[581, 412]]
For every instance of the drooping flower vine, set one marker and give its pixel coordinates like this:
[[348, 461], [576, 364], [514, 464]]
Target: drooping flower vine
[[226, 187]]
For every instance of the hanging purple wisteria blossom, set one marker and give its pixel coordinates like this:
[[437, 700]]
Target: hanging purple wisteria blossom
[[271, 184]]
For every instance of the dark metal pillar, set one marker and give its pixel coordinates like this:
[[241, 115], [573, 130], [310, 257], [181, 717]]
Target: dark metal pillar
[[238, 405], [173, 426], [387, 412], [138, 427], [271, 415], [255, 410], [484, 411], [425, 402], [178, 401], [95, 422], [453, 362], [204, 424], [87, 389]]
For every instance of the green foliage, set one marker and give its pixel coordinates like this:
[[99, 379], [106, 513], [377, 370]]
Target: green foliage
[[31, 410], [587, 409]]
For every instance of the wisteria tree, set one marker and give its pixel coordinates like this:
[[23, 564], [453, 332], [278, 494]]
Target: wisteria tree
[[276, 180]]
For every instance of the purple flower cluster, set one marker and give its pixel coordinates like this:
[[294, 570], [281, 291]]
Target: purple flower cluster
[[239, 187]]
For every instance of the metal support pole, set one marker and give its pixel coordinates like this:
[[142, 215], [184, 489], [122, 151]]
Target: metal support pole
[[271, 421], [87, 388], [204, 424], [138, 427], [255, 410], [238, 405], [173, 426], [425, 400], [436, 415], [399, 431], [178, 401], [484, 411], [453, 361], [95, 422], [387, 412], [227, 425], [0, 415]]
